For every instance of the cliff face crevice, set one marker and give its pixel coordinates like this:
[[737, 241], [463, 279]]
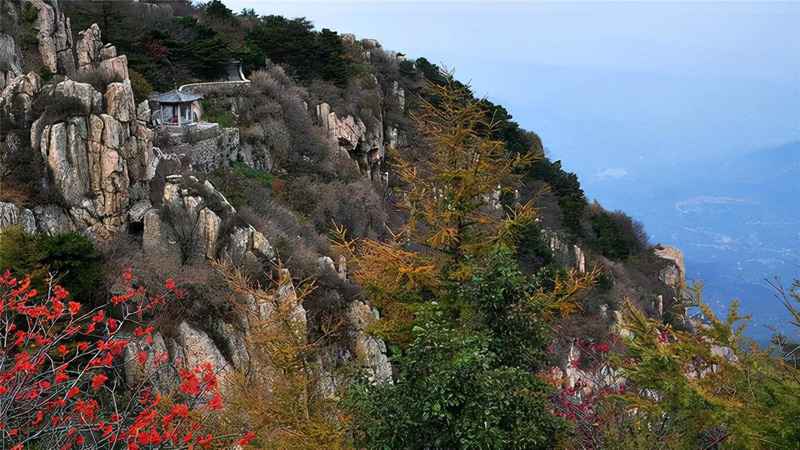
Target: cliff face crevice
[[56, 45], [95, 149]]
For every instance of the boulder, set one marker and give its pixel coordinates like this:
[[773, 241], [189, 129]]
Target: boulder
[[120, 103], [261, 246], [12, 215], [198, 348], [51, 219], [88, 48], [370, 352], [91, 100], [55, 37], [108, 51], [115, 68], [156, 368]]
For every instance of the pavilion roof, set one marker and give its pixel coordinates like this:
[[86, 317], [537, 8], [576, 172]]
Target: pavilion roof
[[178, 97]]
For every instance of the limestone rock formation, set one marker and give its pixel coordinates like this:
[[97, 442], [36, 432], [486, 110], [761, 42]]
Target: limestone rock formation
[[674, 274], [55, 37], [191, 220], [353, 137], [99, 153], [10, 60], [370, 352]]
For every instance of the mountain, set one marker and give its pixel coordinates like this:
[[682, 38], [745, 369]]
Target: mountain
[[736, 220], [340, 241]]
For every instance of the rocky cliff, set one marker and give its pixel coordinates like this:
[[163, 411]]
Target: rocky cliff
[[103, 176], [89, 148]]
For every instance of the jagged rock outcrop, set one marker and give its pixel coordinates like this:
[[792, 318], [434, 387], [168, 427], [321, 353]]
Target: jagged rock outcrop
[[96, 150], [673, 274], [196, 347], [399, 95], [55, 37], [10, 60], [96, 158], [564, 253], [16, 100], [354, 139], [46, 219], [370, 352], [190, 223], [11, 215], [162, 375], [88, 48]]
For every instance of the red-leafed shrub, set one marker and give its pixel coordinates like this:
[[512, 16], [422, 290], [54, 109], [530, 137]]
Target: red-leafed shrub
[[60, 380]]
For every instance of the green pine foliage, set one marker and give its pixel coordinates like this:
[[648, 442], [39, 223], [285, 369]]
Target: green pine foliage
[[308, 54], [704, 389], [453, 392], [70, 257], [498, 301], [616, 235]]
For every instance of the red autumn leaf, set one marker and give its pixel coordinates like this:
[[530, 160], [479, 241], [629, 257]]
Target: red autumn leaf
[[247, 438], [216, 402], [98, 381]]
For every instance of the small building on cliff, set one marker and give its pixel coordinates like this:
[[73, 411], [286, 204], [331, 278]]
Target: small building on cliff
[[178, 108]]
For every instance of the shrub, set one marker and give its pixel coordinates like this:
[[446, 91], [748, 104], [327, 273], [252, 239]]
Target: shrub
[[216, 112], [140, 86], [452, 394], [616, 235], [60, 374], [355, 205], [277, 107], [57, 108], [717, 390], [308, 54], [571, 199], [499, 295], [98, 78], [70, 257], [533, 252], [242, 185], [287, 411]]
